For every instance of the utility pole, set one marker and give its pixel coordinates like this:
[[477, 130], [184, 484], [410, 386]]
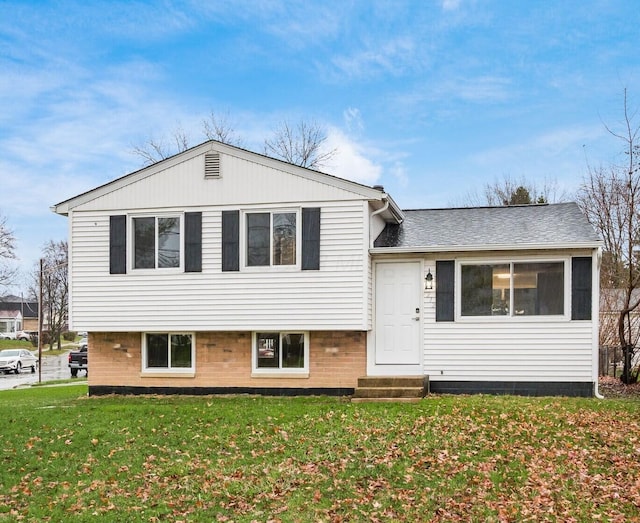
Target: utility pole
[[40, 321]]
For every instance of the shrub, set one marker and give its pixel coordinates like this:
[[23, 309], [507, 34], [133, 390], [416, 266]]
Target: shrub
[[46, 338], [69, 336]]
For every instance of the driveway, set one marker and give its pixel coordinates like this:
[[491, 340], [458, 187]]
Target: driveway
[[53, 368]]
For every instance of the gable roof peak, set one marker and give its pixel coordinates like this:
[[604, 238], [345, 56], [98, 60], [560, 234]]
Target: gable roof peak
[[369, 193]]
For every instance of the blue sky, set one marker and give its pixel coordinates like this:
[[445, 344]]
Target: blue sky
[[432, 99]]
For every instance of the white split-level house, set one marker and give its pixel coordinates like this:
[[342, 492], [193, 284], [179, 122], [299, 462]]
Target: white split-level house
[[222, 270]]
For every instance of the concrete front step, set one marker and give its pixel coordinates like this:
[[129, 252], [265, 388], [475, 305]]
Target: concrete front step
[[389, 392], [391, 388], [393, 381], [385, 400]]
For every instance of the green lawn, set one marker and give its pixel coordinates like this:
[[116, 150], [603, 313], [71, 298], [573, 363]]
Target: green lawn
[[16, 344], [451, 458]]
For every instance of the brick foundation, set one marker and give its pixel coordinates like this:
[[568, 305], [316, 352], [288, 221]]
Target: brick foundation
[[223, 363]]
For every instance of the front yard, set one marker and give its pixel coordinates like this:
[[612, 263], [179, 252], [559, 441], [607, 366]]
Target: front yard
[[449, 458]]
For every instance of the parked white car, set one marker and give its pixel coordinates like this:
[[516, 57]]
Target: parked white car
[[26, 335], [14, 360]]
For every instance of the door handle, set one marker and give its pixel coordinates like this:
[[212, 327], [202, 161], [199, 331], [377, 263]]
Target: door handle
[[417, 318]]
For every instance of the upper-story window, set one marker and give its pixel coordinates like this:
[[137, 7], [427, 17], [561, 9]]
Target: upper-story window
[[156, 242], [271, 238], [512, 289]]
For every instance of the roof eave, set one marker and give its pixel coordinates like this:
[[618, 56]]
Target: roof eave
[[395, 210], [363, 191], [485, 247]]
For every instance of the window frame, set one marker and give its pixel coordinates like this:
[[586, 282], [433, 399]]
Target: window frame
[[244, 247], [186, 371], [512, 317], [131, 243], [279, 371]]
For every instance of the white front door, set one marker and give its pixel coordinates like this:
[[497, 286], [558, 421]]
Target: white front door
[[398, 313]]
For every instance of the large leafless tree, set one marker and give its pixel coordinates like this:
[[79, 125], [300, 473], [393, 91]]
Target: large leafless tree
[[218, 126], [155, 150], [7, 253], [301, 144], [55, 289], [610, 197]]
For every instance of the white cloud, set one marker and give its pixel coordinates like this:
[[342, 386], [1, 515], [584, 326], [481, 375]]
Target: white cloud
[[399, 172], [353, 119], [477, 89], [350, 161], [393, 56], [539, 149]]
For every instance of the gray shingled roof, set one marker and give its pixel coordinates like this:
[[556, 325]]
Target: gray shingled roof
[[561, 224]]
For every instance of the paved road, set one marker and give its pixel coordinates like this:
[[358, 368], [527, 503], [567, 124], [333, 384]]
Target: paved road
[[53, 368]]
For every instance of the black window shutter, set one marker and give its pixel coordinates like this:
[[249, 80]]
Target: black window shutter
[[193, 242], [311, 239], [230, 240], [581, 288], [445, 289], [118, 244]]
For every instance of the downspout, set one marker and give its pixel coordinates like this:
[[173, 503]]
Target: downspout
[[596, 392], [375, 213], [596, 383]]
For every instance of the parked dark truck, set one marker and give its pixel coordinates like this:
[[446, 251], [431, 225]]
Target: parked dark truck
[[78, 359]]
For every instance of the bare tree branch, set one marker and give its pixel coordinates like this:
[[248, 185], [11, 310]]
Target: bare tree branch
[[218, 127], [7, 253], [154, 151], [609, 199], [7, 240], [511, 191], [55, 289], [300, 145]]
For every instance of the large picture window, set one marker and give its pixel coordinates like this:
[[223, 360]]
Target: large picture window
[[512, 289], [271, 238], [281, 351], [168, 351], [156, 242]]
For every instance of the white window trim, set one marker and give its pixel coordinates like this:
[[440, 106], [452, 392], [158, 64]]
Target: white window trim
[[158, 371], [279, 372], [512, 318], [243, 240], [131, 243]]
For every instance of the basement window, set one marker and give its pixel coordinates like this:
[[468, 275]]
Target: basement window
[[168, 352], [282, 352]]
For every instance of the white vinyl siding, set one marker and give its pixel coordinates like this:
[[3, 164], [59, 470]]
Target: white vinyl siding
[[244, 182], [515, 349], [541, 351], [331, 298]]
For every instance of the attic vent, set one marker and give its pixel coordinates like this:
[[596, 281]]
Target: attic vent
[[212, 165]]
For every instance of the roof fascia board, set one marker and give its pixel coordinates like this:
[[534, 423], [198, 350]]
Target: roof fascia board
[[311, 174], [67, 205], [364, 191], [396, 211], [478, 248]]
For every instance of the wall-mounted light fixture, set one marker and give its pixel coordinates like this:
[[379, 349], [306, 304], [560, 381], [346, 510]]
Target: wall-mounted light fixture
[[428, 280]]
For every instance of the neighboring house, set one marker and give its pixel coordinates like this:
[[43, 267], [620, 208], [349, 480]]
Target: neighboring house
[[222, 270], [16, 314], [10, 323]]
